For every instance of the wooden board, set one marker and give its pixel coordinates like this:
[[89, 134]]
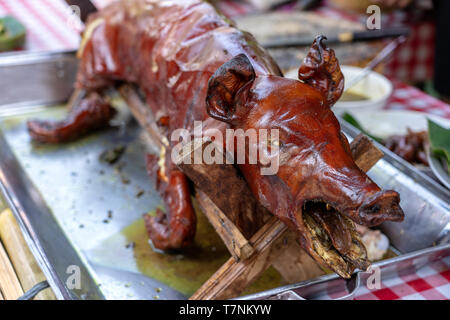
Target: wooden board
[[235, 241]]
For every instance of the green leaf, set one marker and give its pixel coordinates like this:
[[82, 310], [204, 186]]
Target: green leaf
[[350, 119], [439, 140]]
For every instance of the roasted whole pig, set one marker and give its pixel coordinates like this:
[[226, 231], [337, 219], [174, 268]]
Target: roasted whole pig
[[193, 64]]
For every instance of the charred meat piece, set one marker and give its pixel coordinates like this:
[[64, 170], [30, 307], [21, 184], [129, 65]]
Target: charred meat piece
[[410, 146]]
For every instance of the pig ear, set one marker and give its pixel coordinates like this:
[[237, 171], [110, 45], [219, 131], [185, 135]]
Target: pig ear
[[321, 70], [225, 85]]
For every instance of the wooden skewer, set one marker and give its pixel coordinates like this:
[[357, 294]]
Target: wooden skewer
[[238, 246], [365, 153], [9, 283], [234, 276], [238, 203], [268, 244], [142, 113], [27, 269], [294, 264]]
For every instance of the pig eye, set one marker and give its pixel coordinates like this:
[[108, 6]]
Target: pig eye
[[276, 143]]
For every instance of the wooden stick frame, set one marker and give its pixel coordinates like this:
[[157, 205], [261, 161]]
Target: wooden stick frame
[[252, 250]]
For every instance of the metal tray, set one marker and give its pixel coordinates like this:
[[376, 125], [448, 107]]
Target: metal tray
[[61, 197]]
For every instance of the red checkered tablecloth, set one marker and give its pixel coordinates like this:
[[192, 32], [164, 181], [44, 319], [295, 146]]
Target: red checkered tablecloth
[[406, 97], [48, 23], [51, 26], [431, 282]]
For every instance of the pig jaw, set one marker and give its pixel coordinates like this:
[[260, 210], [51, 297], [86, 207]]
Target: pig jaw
[[328, 205], [362, 201], [328, 234]]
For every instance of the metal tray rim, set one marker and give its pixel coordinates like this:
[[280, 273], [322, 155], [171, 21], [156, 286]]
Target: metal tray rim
[[330, 277]]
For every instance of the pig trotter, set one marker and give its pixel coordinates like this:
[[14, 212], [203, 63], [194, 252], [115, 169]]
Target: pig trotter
[[174, 228], [91, 114]]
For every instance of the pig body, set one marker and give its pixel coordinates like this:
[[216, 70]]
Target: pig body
[[169, 48]]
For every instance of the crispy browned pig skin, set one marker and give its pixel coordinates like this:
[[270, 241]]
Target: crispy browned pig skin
[[171, 49]]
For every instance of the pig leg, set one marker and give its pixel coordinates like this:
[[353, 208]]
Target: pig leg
[[92, 113], [174, 228], [320, 70]]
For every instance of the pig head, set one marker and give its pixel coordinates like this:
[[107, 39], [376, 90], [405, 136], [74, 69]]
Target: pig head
[[318, 190]]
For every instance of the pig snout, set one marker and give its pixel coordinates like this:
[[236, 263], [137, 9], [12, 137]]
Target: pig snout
[[354, 195], [380, 207]]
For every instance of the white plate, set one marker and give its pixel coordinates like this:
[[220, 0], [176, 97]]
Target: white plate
[[384, 123], [376, 87], [438, 169]]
